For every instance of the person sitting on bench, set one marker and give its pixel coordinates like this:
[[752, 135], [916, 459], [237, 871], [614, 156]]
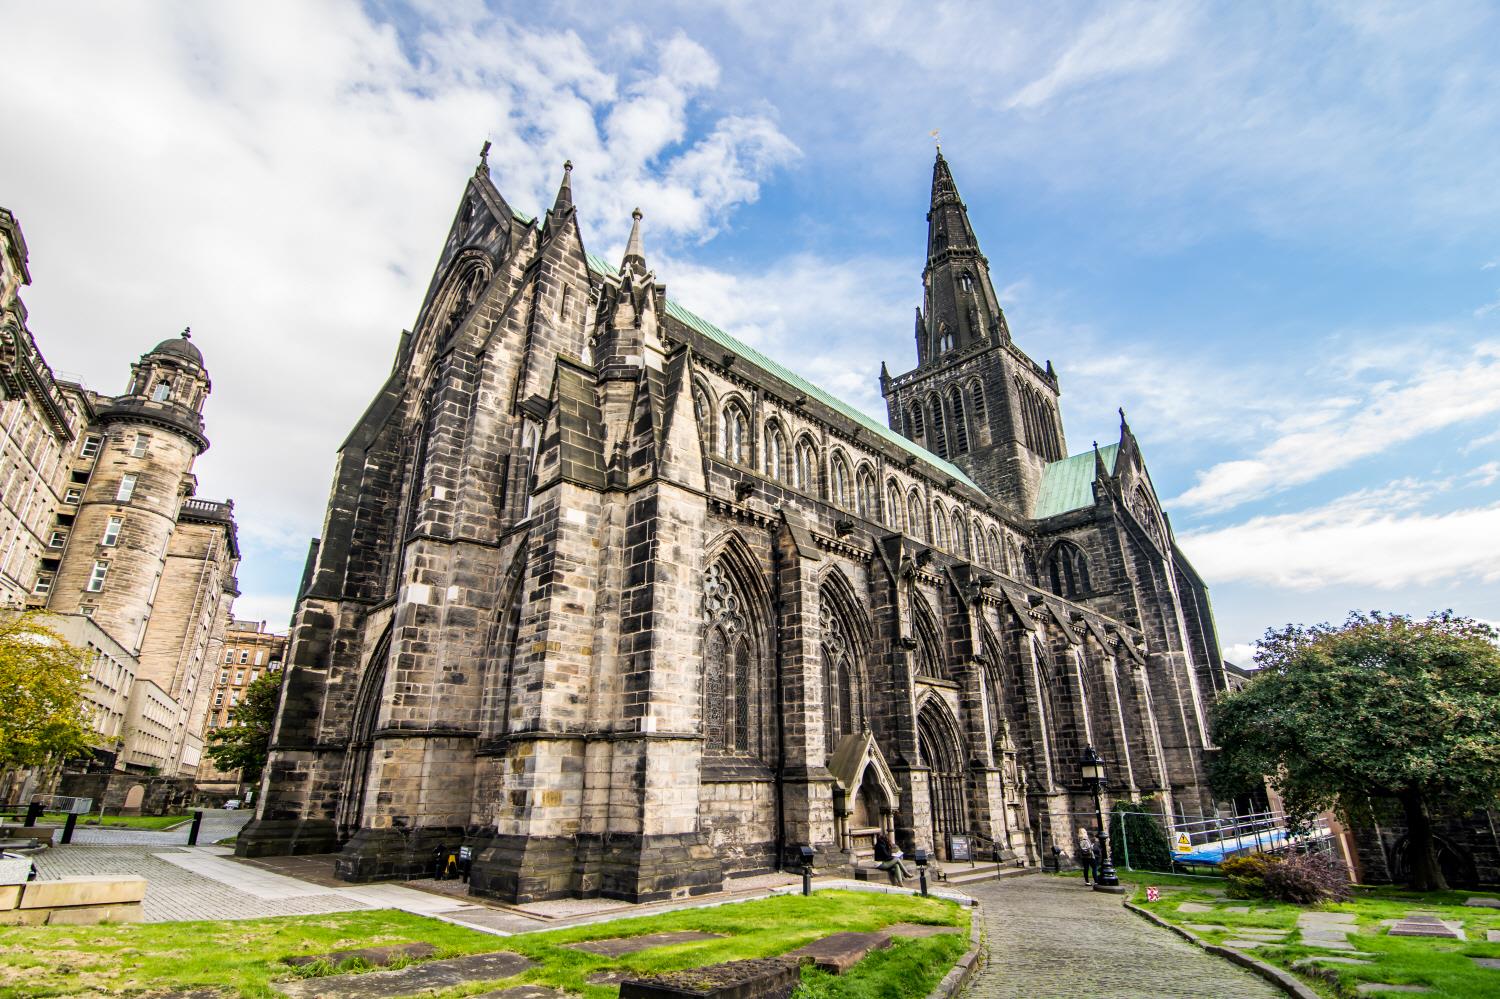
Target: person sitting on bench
[[888, 856]]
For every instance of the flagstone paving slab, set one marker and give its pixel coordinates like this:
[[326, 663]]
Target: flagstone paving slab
[[1492, 963], [1369, 988], [1493, 936], [375, 956], [524, 992], [839, 952], [1328, 959], [1487, 903], [619, 946], [1195, 907]]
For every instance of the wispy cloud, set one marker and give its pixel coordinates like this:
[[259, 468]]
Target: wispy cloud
[[1343, 430], [1124, 39], [1371, 538]]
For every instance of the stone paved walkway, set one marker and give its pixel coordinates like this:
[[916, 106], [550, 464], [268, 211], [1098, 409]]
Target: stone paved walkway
[[1051, 937], [218, 823]]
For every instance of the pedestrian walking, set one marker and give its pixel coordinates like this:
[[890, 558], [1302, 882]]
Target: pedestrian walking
[[1088, 856]]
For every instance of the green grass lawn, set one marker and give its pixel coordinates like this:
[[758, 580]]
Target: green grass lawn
[[1443, 965], [245, 956], [119, 821]]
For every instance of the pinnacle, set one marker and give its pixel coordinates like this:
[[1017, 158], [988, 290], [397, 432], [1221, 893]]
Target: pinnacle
[[633, 247], [565, 190]]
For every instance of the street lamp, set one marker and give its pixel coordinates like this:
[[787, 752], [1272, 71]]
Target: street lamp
[[1092, 770], [920, 856], [808, 855]]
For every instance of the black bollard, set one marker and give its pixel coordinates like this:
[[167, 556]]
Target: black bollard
[[808, 856], [33, 812], [920, 856], [193, 832], [72, 820]]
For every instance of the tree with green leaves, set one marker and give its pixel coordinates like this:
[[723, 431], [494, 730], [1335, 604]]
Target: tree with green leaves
[[245, 742], [43, 716], [1384, 707]]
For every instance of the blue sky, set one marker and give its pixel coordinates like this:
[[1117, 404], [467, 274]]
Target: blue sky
[[1268, 231]]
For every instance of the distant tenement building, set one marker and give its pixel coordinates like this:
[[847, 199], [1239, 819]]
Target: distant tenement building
[[632, 609]]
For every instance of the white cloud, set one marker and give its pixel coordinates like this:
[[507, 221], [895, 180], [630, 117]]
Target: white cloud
[[1373, 538], [1242, 654], [1486, 309], [1344, 430], [280, 176], [1123, 39]]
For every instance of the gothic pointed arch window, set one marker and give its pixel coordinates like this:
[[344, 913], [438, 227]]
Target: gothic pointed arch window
[[958, 430], [960, 536], [730, 684], [976, 402], [842, 704], [915, 422], [1145, 512], [1067, 570], [927, 656], [938, 441], [465, 289], [966, 282], [806, 470], [867, 493], [703, 410], [776, 452], [735, 445], [997, 552], [842, 494], [915, 521], [939, 527], [894, 508]]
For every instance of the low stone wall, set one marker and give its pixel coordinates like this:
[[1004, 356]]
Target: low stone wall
[[73, 901], [157, 795]]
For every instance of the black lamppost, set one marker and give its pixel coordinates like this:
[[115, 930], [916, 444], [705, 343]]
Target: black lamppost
[[808, 855], [1092, 769], [920, 856]]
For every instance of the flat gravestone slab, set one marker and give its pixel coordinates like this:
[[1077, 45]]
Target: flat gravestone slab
[[1251, 944], [1487, 903], [610, 977], [1366, 988], [413, 980], [1261, 931], [919, 930], [1334, 918], [1194, 907], [838, 953], [1216, 892], [1410, 928], [756, 978], [1243, 910], [1205, 927], [523, 992], [1493, 936], [377, 956], [1493, 963], [618, 946], [1328, 959]]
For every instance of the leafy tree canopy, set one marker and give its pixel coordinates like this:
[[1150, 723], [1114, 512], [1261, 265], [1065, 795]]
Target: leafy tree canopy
[[42, 677], [1383, 707], [245, 742]]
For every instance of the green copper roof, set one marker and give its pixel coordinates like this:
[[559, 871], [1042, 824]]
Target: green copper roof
[[1069, 484], [755, 357]]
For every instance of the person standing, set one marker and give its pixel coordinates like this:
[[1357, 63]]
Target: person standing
[[1088, 856]]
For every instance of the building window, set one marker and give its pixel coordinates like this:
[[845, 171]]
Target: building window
[[219, 699], [807, 466], [239, 677], [96, 578], [229, 655], [87, 610], [160, 393], [112, 532], [253, 674], [840, 481], [260, 656], [1068, 570], [90, 447], [736, 443], [127, 488], [223, 676], [73, 495], [43, 584], [775, 453], [244, 655], [58, 539], [142, 442]]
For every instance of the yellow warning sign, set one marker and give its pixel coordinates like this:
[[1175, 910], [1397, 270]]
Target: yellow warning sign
[[1184, 845]]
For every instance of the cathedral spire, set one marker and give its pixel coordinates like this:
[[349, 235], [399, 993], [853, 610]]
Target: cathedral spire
[[961, 308]]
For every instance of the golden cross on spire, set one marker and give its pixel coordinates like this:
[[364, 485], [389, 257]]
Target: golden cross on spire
[[936, 139]]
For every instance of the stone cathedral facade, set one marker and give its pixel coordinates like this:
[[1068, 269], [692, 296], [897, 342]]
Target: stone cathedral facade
[[631, 609]]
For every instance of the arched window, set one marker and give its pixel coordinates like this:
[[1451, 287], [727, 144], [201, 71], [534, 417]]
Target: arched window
[[997, 552], [841, 700], [840, 481], [966, 282], [703, 409], [893, 506], [958, 432], [867, 493], [976, 402], [776, 453], [939, 440], [1067, 570], [939, 527], [928, 656], [735, 446], [161, 392], [730, 668], [915, 422], [807, 465], [916, 523], [960, 536], [1145, 512]]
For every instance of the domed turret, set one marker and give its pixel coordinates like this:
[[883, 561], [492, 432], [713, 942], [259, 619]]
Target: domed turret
[[180, 346]]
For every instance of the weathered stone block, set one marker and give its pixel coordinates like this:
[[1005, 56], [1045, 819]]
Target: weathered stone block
[[90, 915], [82, 891]]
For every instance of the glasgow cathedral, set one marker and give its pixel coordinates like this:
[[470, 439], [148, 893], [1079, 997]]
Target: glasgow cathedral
[[631, 610]]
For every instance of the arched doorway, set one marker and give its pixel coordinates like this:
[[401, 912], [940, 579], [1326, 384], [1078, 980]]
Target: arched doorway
[[938, 743], [356, 775]]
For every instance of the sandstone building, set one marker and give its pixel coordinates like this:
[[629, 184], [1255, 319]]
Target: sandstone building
[[632, 609], [251, 650], [100, 525]]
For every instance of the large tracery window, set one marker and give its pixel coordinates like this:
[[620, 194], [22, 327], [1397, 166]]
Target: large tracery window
[[867, 492], [807, 465], [915, 522], [1067, 570], [939, 527], [840, 695], [939, 442], [927, 655], [841, 486], [729, 669], [959, 433], [776, 454], [893, 505], [960, 536]]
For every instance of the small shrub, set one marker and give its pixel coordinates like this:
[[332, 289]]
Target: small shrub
[[1308, 878], [1247, 874], [1137, 839]]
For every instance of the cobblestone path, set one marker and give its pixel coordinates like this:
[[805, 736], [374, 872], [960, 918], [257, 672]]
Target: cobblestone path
[[218, 823], [1051, 937]]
